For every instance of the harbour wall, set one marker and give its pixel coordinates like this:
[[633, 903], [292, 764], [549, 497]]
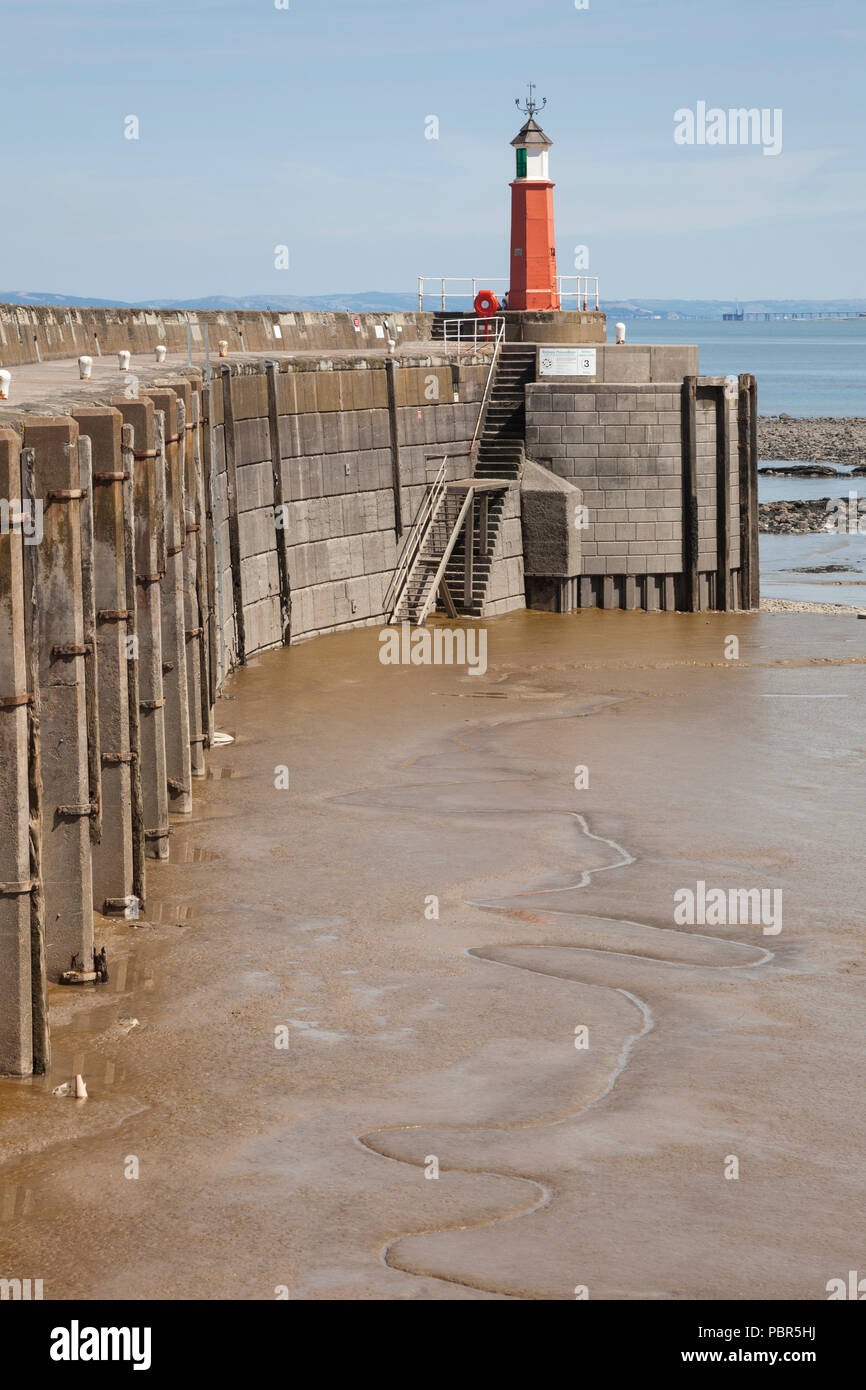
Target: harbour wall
[[182, 528], [46, 333], [664, 461], [197, 519]]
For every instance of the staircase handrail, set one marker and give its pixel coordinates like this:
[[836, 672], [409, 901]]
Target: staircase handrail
[[467, 331], [446, 556], [415, 541], [487, 386]]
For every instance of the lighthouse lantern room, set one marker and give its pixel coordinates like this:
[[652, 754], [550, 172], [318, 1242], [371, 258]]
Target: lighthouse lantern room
[[533, 245]]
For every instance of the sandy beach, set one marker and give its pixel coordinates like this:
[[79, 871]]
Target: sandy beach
[[307, 914]]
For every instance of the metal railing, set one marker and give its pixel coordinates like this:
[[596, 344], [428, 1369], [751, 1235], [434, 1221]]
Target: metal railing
[[415, 542], [584, 291], [486, 394], [433, 590], [470, 332], [476, 283]]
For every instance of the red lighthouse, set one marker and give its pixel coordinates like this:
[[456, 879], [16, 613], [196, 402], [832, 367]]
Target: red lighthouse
[[533, 244]]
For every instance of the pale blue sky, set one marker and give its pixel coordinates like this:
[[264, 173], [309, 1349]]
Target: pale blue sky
[[305, 127]]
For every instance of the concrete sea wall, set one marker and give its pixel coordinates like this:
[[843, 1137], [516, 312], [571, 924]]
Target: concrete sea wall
[[181, 530], [44, 334], [359, 441], [651, 447], [151, 541]]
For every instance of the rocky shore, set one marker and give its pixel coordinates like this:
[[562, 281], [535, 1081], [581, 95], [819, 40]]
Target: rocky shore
[[796, 518], [817, 440]]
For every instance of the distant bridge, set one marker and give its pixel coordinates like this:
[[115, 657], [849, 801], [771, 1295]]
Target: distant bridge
[[754, 316]]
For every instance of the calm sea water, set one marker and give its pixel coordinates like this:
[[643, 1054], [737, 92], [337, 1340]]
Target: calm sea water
[[803, 367]]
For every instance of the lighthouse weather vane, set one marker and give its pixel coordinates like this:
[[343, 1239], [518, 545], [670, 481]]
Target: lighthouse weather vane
[[531, 106]]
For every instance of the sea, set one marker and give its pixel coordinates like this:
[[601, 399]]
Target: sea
[[805, 368]]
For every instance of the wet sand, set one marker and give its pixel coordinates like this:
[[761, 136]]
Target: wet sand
[[412, 1036]]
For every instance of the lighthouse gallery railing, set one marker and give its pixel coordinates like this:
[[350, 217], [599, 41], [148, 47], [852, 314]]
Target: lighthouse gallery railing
[[584, 288]]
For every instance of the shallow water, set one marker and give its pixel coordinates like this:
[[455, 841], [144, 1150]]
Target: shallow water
[[804, 368], [453, 1035], [781, 556]]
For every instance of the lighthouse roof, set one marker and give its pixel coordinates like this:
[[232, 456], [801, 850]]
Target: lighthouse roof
[[531, 134]]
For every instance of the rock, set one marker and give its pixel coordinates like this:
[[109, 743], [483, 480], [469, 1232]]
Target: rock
[[803, 470], [62, 1090], [796, 518], [823, 569], [824, 440]]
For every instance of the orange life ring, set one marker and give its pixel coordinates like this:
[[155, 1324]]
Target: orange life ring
[[485, 304]]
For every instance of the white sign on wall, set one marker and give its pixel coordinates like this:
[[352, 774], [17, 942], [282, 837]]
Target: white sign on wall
[[567, 362]]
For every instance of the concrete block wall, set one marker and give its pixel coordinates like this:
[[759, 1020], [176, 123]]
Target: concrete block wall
[[341, 440], [621, 443], [506, 589], [44, 334]]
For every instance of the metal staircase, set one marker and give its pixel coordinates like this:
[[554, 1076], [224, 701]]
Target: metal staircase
[[502, 441], [449, 553]]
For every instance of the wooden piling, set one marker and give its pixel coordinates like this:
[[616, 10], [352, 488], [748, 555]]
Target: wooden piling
[[193, 627], [280, 505], [131, 643], [234, 532], [178, 759], [691, 594], [38, 961], [66, 849], [113, 854], [723, 501], [149, 513], [394, 430], [91, 665], [16, 1042], [204, 564]]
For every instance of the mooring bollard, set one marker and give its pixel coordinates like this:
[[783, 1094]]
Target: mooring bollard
[[620, 334], [224, 348], [123, 359], [160, 353], [85, 368], [5, 383]]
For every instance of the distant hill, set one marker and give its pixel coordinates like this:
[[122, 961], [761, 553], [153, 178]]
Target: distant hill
[[371, 301], [383, 301]]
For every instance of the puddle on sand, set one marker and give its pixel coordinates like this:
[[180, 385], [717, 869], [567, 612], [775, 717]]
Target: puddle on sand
[[213, 773], [167, 914], [191, 854]]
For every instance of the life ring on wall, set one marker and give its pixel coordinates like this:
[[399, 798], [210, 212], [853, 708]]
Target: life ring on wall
[[485, 304]]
